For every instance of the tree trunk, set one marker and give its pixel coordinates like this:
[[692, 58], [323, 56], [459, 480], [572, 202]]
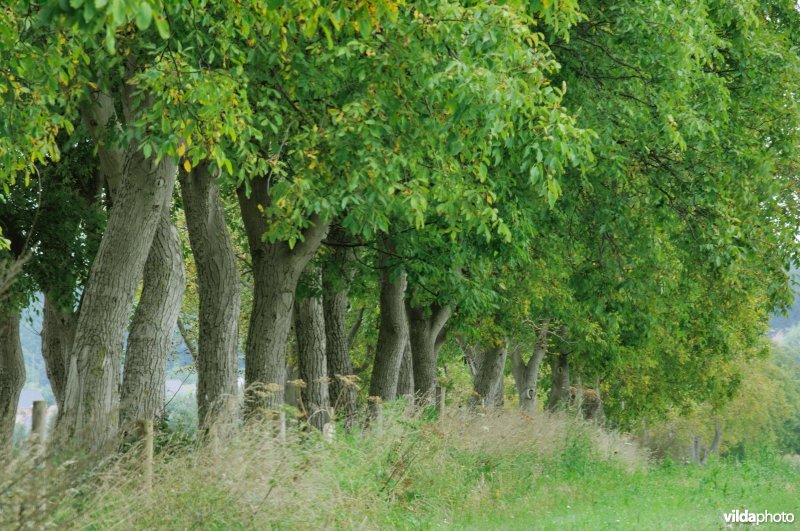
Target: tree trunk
[[58, 334], [714, 443], [526, 375], [220, 298], [559, 390], [405, 382], [392, 331], [424, 326], [153, 328], [91, 403], [12, 376], [276, 270], [487, 366], [309, 325], [336, 278], [717, 438]]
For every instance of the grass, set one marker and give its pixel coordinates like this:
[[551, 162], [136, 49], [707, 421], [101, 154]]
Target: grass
[[683, 497], [495, 471]]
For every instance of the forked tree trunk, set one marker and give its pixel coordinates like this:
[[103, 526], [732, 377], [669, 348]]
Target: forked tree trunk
[[336, 278], [392, 331], [58, 333], [153, 328], [309, 325], [220, 298], [12, 376], [276, 269], [424, 326], [487, 366], [91, 404], [405, 382], [715, 443], [526, 375]]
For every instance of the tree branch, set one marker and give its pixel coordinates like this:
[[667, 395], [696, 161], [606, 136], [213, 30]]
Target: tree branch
[[190, 346]]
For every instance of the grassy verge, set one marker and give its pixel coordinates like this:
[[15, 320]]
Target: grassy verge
[[464, 471], [677, 497]]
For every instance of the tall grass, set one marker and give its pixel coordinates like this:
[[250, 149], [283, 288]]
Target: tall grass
[[415, 471], [465, 470]]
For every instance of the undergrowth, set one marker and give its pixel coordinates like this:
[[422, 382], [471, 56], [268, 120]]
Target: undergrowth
[[498, 470]]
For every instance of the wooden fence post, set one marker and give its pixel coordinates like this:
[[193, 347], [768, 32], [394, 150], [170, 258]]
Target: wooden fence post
[[376, 413], [145, 429], [328, 431], [379, 417], [39, 422], [440, 396], [282, 426]]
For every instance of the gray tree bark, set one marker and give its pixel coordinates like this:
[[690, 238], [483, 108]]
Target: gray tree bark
[[91, 403], [217, 358], [392, 330], [336, 278], [424, 327], [526, 375], [153, 328], [309, 325], [487, 366], [276, 270], [58, 334], [559, 388], [405, 382], [12, 375]]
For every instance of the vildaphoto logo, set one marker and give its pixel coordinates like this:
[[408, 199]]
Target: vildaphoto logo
[[746, 517]]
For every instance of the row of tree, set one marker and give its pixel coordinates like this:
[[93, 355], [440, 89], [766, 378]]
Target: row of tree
[[610, 186]]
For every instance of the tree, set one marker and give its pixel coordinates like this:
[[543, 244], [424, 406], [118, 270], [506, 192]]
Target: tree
[[54, 228], [220, 298], [94, 367], [393, 328], [153, 327], [337, 276], [660, 204], [309, 325]]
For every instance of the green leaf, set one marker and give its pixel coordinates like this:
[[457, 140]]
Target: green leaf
[[163, 27], [482, 172], [365, 25], [144, 16], [118, 11], [111, 40]]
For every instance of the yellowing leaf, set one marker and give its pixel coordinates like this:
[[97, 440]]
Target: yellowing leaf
[[187, 165]]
